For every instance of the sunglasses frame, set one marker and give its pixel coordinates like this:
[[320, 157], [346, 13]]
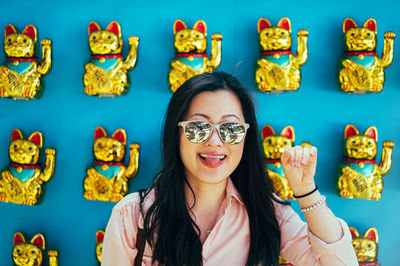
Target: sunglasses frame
[[216, 126]]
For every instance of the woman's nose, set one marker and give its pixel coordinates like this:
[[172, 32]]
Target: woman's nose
[[214, 138]]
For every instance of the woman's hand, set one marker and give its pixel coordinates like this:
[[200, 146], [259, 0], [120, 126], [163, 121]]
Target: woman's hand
[[299, 166]]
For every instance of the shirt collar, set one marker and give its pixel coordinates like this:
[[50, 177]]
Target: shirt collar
[[231, 192]]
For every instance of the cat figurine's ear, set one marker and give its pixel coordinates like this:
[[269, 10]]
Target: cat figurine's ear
[[200, 26], [30, 31], [354, 232], [262, 24], [93, 26], [370, 24], [99, 132], [99, 236], [267, 131], [114, 27], [38, 240], [19, 238], [371, 234], [288, 132], [349, 131], [37, 138], [179, 25], [16, 134], [285, 23], [372, 132], [348, 24], [10, 29], [120, 135]]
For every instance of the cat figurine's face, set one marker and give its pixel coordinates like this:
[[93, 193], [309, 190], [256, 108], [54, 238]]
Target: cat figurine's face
[[274, 145], [23, 151], [25, 254], [109, 149], [360, 146], [20, 44], [107, 41], [366, 247], [360, 38], [190, 40], [99, 246], [274, 38]]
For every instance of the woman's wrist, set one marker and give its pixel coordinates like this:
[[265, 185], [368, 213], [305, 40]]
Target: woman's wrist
[[309, 200]]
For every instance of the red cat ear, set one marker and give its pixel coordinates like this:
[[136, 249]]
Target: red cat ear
[[370, 24], [30, 31], [348, 24], [10, 29], [284, 23], [288, 132], [38, 240], [262, 24], [37, 138], [93, 26], [120, 135], [114, 27], [354, 232], [18, 238], [267, 131], [179, 25], [349, 131], [372, 132], [99, 236], [16, 134], [99, 132], [200, 26], [371, 234]]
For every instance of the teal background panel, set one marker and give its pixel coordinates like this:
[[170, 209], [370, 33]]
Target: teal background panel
[[67, 117]]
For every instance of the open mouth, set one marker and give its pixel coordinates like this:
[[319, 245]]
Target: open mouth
[[212, 161]]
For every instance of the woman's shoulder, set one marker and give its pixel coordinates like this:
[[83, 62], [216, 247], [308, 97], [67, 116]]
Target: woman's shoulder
[[132, 201]]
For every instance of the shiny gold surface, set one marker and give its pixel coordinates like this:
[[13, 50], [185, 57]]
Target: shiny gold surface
[[107, 177], [359, 175], [106, 72], [31, 254], [274, 145], [22, 181], [99, 244], [366, 247], [279, 70], [190, 46], [20, 76], [283, 262], [362, 71]]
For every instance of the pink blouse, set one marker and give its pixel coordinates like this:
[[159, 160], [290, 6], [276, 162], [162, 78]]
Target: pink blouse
[[228, 242]]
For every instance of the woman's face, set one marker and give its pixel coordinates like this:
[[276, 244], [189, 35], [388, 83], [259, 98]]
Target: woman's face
[[214, 160]]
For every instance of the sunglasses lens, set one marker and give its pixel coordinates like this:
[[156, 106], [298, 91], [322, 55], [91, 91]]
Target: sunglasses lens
[[197, 131], [232, 133]]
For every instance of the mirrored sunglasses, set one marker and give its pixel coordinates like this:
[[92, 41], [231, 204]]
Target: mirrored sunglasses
[[200, 131]]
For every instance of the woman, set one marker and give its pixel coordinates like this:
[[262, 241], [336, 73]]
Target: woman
[[213, 204]]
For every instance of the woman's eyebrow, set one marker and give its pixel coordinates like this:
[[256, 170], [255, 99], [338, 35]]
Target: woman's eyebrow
[[207, 117]]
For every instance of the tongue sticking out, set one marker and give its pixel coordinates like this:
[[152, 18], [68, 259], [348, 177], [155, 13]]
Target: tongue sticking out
[[212, 162]]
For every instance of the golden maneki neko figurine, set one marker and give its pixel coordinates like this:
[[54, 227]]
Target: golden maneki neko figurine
[[278, 69], [190, 57], [32, 254], [359, 174], [20, 75], [283, 262], [21, 182], [361, 70], [106, 72], [274, 145], [99, 245], [107, 177], [366, 247]]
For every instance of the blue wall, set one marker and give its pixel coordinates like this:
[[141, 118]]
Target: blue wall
[[67, 117]]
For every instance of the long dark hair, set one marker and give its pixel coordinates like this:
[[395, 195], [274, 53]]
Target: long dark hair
[[177, 242]]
